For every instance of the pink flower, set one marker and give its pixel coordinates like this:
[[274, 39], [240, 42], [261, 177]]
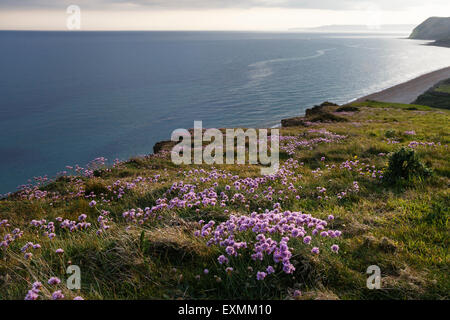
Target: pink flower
[[260, 275], [335, 248], [54, 280], [307, 239], [32, 295], [57, 295], [59, 251], [222, 259]]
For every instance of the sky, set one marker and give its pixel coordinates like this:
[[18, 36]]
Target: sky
[[252, 15]]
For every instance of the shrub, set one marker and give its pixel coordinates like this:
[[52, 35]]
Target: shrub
[[347, 109], [328, 117], [405, 164]]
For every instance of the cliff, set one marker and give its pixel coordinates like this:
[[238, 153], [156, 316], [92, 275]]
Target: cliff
[[434, 28]]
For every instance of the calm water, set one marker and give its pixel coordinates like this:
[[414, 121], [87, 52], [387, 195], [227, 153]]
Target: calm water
[[66, 98]]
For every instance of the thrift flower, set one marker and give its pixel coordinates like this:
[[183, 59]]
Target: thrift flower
[[54, 280], [335, 248], [57, 295], [260, 275]]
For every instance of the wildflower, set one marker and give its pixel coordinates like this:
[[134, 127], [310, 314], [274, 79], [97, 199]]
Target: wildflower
[[260, 275], [37, 285], [57, 295], [315, 250], [270, 270], [230, 250], [92, 203], [206, 271], [330, 217], [59, 251], [335, 248], [229, 270], [222, 259], [54, 280], [78, 298], [297, 293], [307, 239], [31, 295], [28, 255]]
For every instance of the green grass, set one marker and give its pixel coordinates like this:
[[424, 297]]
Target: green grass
[[443, 88], [438, 96], [403, 227]]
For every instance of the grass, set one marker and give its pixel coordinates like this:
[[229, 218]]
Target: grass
[[438, 96], [443, 88], [400, 227]]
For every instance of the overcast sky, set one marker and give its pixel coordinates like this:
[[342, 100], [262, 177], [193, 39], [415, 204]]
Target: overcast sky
[[215, 14]]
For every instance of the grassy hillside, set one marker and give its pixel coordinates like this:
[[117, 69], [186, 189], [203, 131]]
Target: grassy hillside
[[437, 96], [142, 228]]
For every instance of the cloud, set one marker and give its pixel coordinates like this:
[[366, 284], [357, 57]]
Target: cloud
[[218, 4]]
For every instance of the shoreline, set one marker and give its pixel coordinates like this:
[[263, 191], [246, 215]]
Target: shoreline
[[407, 92]]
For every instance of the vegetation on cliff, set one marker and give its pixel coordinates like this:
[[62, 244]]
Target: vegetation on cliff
[[146, 228], [438, 96]]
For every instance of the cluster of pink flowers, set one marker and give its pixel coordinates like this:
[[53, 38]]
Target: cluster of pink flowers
[[238, 192], [353, 189], [362, 168], [4, 223], [414, 144], [103, 220], [264, 229], [410, 133], [29, 245], [11, 237], [33, 294], [391, 141], [119, 188], [290, 144]]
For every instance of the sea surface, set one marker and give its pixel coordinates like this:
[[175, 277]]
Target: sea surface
[[69, 97]]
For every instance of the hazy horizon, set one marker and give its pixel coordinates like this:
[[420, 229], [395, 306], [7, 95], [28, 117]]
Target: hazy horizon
[[214, 15]]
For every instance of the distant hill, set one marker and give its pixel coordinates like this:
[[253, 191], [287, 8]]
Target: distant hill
[[433, 28], [359, 28]]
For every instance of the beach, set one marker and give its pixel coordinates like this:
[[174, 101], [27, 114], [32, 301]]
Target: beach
[[408, 92]]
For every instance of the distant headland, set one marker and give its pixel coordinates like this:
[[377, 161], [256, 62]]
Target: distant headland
[[434, 28]]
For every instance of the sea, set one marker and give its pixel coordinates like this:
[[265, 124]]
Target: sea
[[69, 97]]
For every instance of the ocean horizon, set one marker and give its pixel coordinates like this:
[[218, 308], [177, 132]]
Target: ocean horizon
[[69, 97]]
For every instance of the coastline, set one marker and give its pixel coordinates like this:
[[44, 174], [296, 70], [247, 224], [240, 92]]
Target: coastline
[[407, 92]]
